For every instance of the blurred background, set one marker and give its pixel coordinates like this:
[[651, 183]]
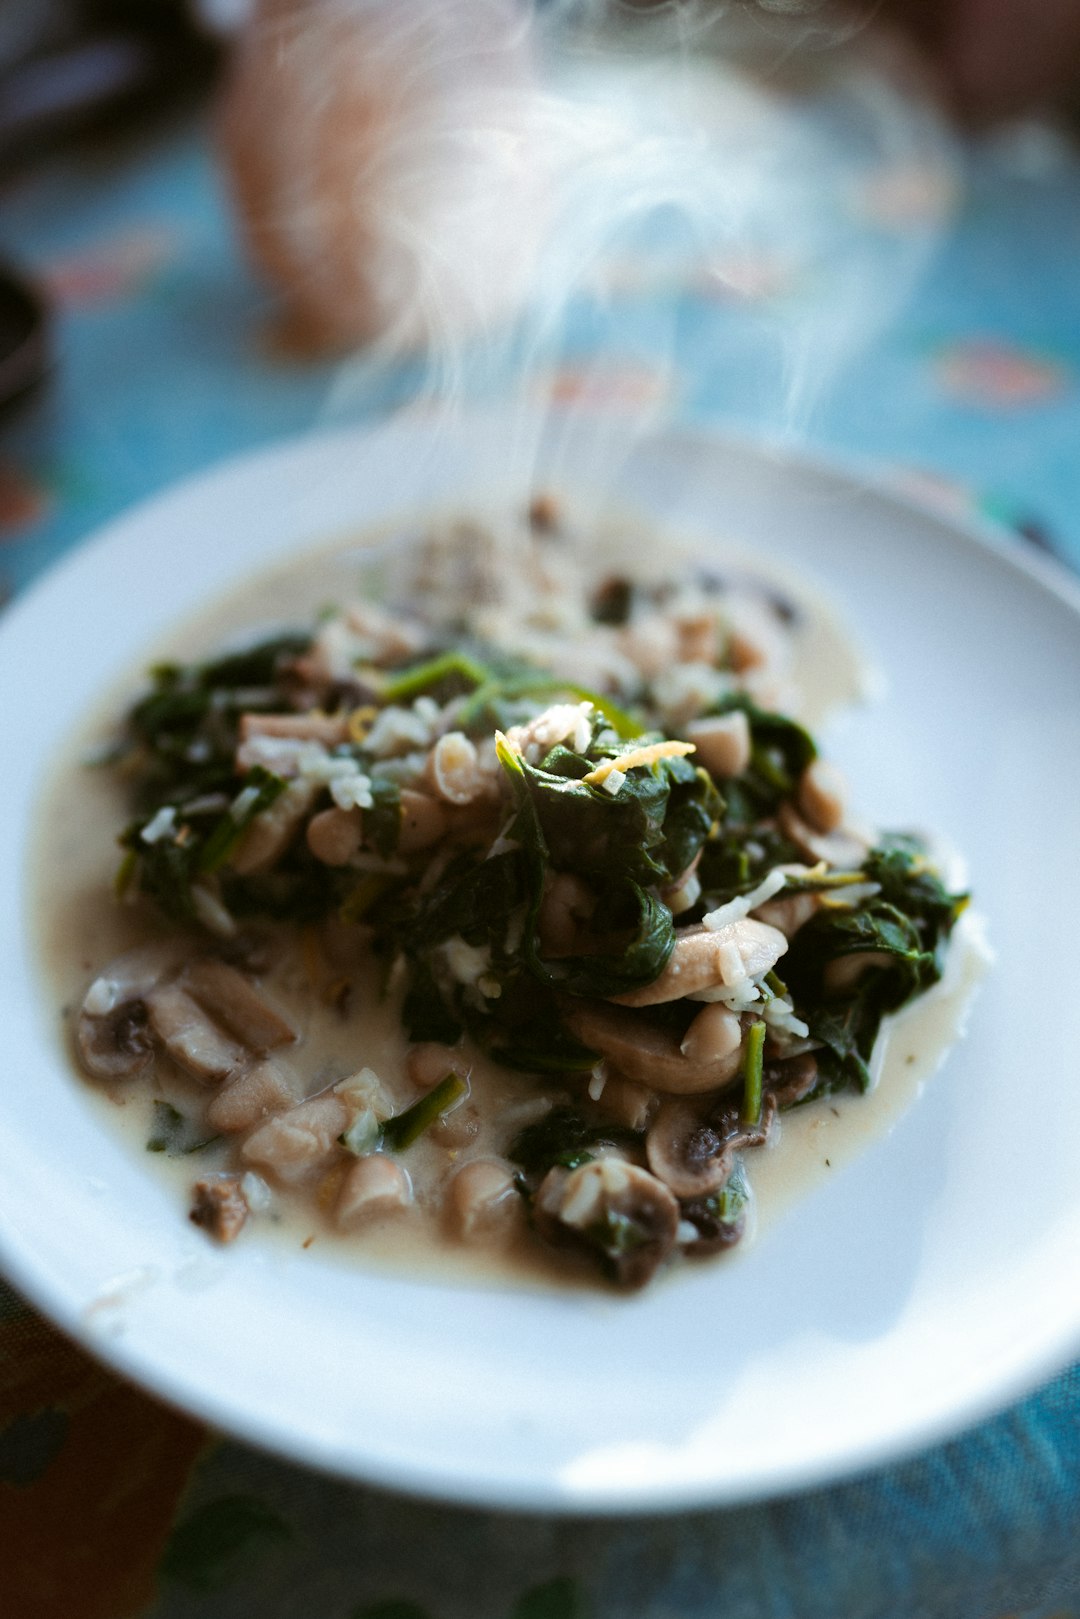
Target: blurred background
[[852, 228], [855, 226]]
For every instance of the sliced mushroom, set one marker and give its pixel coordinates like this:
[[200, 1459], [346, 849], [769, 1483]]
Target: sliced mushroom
[[453, 773], [821, 795], [684, 890], [693, 1153], [756, 637], [190, 1037], [293, 1145], [650, 642], [252, 1094], [722, 742], [423, 821], [271, 832], [233, 1001], [645, 1051], [615, 1209], [706, 958], [714, 1035], [698, 635], [626, 1102], [209, 1018], [329, 729], [789, 913], [334, 835], [844, 972], [481, 1195], [113, 1033], [373, 1187], [390, 636], [219, 1206], [791, 1079], [428, 1063], [841, 849], [455, 1130], [119, 1044], [705, 1229], [565, 908]]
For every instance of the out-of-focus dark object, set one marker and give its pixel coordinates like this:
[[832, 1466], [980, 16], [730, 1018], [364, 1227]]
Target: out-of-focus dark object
[[996, 58], [24, 339], [73, 68]]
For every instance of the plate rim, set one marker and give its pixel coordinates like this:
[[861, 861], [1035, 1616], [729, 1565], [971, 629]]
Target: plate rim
[[868, 479]]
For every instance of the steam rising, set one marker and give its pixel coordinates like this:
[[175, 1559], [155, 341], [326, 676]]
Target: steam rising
[[515, 206]]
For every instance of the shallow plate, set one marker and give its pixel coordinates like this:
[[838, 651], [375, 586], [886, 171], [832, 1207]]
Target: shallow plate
[[928, 1282]]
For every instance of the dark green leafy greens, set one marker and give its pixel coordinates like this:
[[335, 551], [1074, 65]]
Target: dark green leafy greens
[[892, 949], [183, 732], [209, 835], [623, 848], [720, 1218], [564, 1138], [402, 1130], [470, 919]]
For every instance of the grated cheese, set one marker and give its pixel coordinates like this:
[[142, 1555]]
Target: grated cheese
[[743, 904], [162, 824]]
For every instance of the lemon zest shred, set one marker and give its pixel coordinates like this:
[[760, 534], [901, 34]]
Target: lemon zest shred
[[361, 721], [647, 755]]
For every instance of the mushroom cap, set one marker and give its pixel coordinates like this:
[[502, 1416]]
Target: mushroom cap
[[190, 1036], [789, 1079], [705, 958], [694, 1152], [113, 1033], [232, 1000], [207, 1015], [373, 1187], [117, 1044], [293, 1146], [479, 1194], [616, 1210], [250, 1095], [686, 1152], [644, 1051]]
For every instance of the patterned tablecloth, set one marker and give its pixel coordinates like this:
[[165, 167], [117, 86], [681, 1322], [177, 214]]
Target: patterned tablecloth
[[111, 1506]]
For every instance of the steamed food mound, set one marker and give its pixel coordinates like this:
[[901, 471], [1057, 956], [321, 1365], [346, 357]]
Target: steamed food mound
[[549, 826]]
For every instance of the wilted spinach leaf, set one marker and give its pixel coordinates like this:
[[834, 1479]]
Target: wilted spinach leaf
[[780, 750]]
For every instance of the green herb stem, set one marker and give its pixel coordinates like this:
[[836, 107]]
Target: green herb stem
[[753, 1065], [402, 1131], [425, 675], [226, 835], [541, 685]]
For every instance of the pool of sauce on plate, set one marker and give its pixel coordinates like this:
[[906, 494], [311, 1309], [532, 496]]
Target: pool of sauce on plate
[[82, 929]]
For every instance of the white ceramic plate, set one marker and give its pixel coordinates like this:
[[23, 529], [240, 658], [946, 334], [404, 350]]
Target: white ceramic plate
[[930, 1281]]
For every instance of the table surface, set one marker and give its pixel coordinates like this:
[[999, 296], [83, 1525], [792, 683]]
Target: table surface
[[112, 1506]]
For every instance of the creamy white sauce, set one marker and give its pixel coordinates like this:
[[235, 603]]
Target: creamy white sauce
[[82, 928], [817, 1140]]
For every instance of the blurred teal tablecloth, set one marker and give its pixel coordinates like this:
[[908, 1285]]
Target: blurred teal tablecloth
[[110, 1506]]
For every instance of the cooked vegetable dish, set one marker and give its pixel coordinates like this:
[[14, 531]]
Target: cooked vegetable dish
[[555, 824]]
